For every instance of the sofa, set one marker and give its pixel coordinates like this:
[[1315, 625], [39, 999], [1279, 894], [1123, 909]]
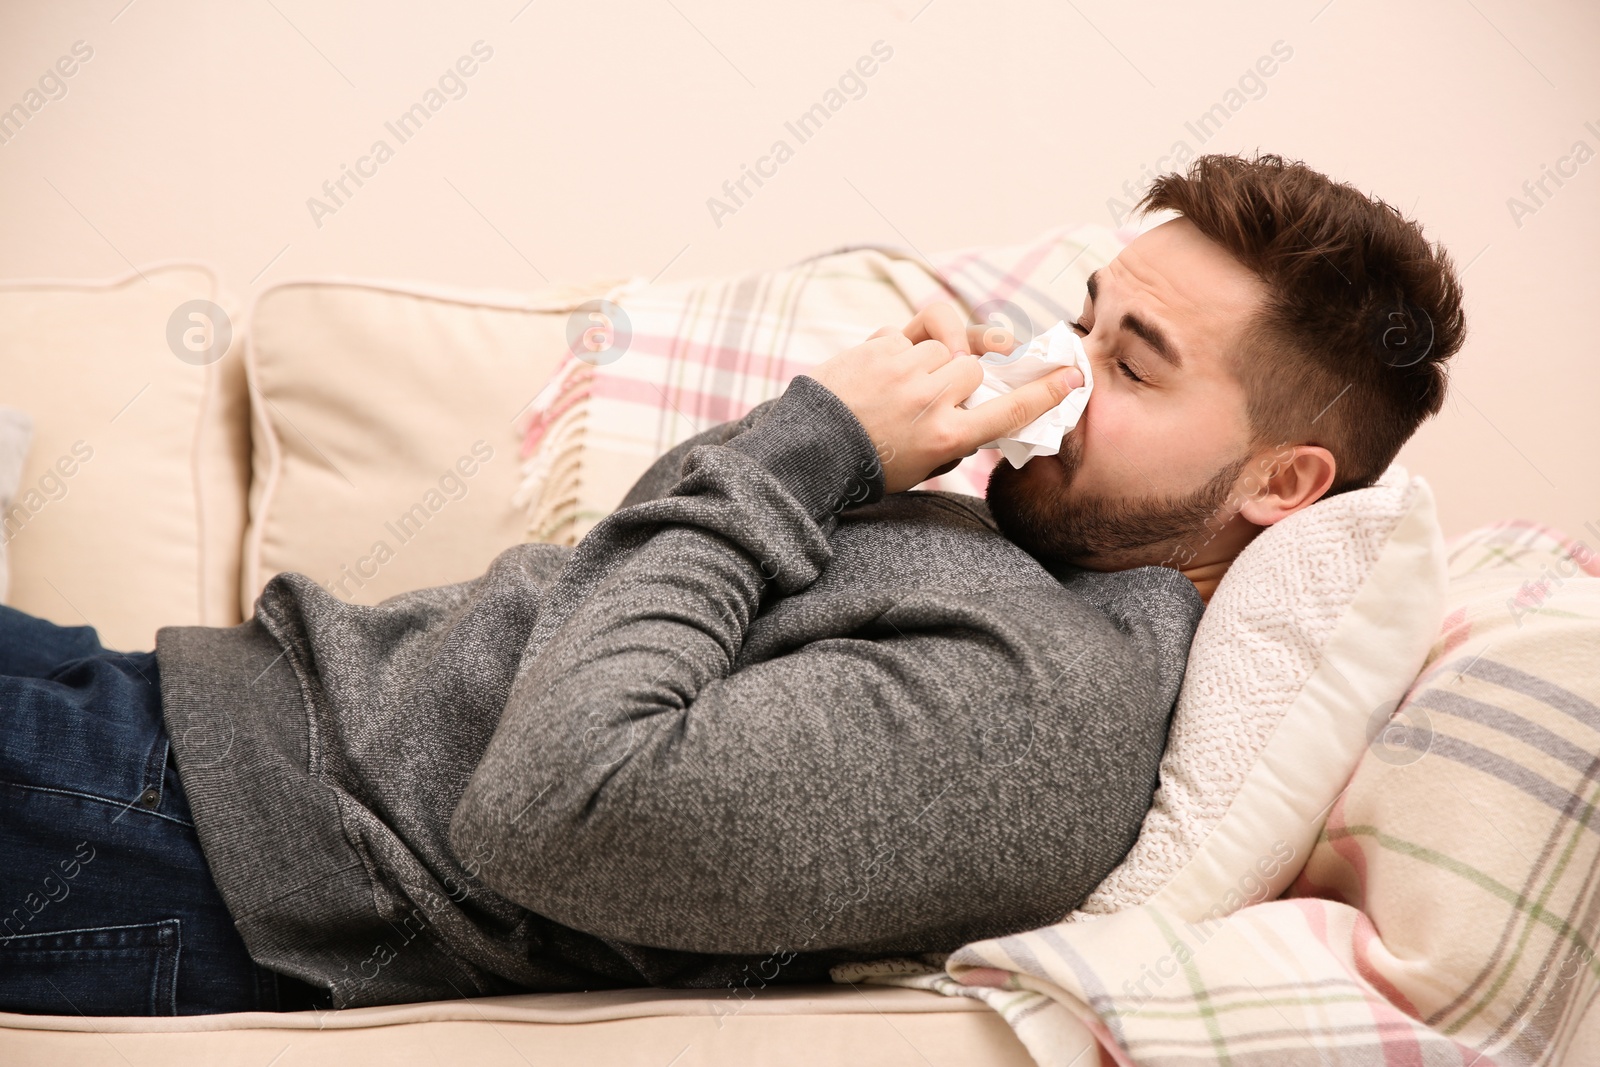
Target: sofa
[[381, 436]]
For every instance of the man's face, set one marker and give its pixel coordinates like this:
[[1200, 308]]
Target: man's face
[[1153, 459]]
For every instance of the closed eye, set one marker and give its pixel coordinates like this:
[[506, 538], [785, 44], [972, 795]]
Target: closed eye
[[1127, 372]]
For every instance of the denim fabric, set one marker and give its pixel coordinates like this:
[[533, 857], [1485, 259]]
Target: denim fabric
[[107, 906]]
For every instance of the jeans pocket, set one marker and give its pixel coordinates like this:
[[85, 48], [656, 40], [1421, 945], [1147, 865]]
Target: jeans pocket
[[100, 970]]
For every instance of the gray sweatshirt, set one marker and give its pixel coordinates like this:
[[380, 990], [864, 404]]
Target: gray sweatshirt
[[763, 718]]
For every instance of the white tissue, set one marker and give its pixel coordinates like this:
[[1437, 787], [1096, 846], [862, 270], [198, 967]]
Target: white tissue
[[1058, 346]]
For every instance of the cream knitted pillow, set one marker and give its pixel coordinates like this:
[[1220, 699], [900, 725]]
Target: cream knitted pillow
[[1314, 635]]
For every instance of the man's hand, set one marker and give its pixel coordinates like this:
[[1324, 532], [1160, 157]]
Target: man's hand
[[906, 387]]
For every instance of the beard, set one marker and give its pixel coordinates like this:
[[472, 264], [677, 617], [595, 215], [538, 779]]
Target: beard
[[1039, 512]]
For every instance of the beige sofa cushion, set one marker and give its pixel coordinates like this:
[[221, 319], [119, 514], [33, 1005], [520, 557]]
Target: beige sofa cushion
[[367, 394], [385, 445], [16, 435], [800, 1024], [140, 460]]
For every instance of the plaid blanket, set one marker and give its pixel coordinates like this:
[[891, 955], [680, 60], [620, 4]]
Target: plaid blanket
[[1449, 911], [661, 363]]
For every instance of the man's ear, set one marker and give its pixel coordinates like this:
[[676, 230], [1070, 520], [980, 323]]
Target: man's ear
[[1290, 479]]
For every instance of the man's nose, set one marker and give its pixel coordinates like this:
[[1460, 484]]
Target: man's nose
[[1089, 407]]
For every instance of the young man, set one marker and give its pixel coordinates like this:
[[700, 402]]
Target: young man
[[774, 712]]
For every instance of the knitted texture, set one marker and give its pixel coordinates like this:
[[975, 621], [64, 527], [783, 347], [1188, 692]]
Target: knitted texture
[[763, 719]]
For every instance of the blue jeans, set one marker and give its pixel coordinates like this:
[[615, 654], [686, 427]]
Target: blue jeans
[[107, 906]]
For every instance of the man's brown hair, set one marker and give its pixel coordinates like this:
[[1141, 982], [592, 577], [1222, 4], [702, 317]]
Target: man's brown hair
[[1361, 311]]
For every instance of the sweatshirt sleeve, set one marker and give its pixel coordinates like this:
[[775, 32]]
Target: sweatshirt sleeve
[[640, 788]]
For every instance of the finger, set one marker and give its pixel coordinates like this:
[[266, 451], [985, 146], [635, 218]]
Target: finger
[[960, 375], [940, 322], [930, 355], [965, 373], [886, 341], [981, 339], [1006, 414], [890, 340]]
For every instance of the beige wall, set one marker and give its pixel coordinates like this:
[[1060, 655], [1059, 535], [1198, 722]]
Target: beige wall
[[590, 141]]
